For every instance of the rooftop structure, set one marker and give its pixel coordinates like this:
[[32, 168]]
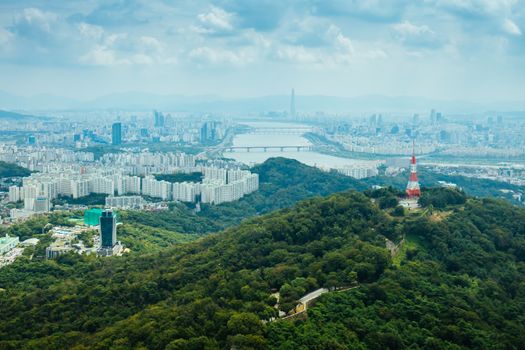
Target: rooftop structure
[[7, 243], [92, 217], [57, 248]]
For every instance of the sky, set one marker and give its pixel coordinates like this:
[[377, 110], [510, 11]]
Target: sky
[[472, 50]]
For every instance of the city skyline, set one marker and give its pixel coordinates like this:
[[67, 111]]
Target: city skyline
[[447, 49]]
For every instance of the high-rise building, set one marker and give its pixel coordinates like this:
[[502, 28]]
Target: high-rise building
[[413, 190], [292, 104], [372, 121], [204, 133], [116, 133], [159, 120], [42, 204], [108, 229]]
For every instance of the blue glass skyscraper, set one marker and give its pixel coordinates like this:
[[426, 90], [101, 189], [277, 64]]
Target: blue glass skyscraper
[[116, 133]]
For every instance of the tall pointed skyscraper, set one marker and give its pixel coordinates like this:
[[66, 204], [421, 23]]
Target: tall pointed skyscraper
[[413, 190], [292, 104]]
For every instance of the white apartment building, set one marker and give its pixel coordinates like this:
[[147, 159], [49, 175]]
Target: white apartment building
[[186, 191], [213, 173], [125, 202], [102, 185], [79, 188], [127, 184], [14, 193], [155, 188], [359, 172], [216, 191]]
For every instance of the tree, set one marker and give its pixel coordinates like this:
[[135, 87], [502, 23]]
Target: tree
[[388, 201], [245, 323], [398, 211]]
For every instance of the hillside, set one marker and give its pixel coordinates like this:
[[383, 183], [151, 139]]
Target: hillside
[[283, 182], [457, 284], [12, 170], [460, 285]]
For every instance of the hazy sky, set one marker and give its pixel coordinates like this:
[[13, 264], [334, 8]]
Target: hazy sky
[[452, 49]]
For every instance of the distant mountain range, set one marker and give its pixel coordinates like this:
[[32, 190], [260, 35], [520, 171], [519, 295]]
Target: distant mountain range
[[213, 103], [6, 115]]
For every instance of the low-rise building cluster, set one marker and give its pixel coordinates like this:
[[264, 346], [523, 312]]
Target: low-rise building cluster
[[359, 171]]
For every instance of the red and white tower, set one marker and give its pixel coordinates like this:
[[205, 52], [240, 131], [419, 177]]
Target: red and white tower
[[413, 190]]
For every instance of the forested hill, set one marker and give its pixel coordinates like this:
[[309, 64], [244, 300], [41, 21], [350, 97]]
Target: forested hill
[[283, 182], [457, 282], [12, 170]]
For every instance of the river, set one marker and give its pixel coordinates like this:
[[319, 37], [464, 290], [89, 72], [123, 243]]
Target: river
[[270, 138]]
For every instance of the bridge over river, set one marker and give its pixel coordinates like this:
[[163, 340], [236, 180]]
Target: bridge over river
[[296, 130], [268, 148]]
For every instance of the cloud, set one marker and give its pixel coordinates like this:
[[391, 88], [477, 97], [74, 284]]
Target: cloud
[[90, 31], [307, 31], [366, 10], [125, 49], [332, 48], [409, 29], [510, 27], [216, 20], [38, 37], [117, 13], [416, 35], [209, 55], [297, 54], [341, 42], [261, 15], [477, 9], [312, 33], [5, 37], [41, 37], [35, 24]]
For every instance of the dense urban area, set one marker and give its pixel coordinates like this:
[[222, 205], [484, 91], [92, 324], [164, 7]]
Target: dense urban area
[[262, 175], [154, 161]]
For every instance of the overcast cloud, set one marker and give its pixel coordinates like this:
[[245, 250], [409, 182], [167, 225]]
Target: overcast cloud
[[452, 49]]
